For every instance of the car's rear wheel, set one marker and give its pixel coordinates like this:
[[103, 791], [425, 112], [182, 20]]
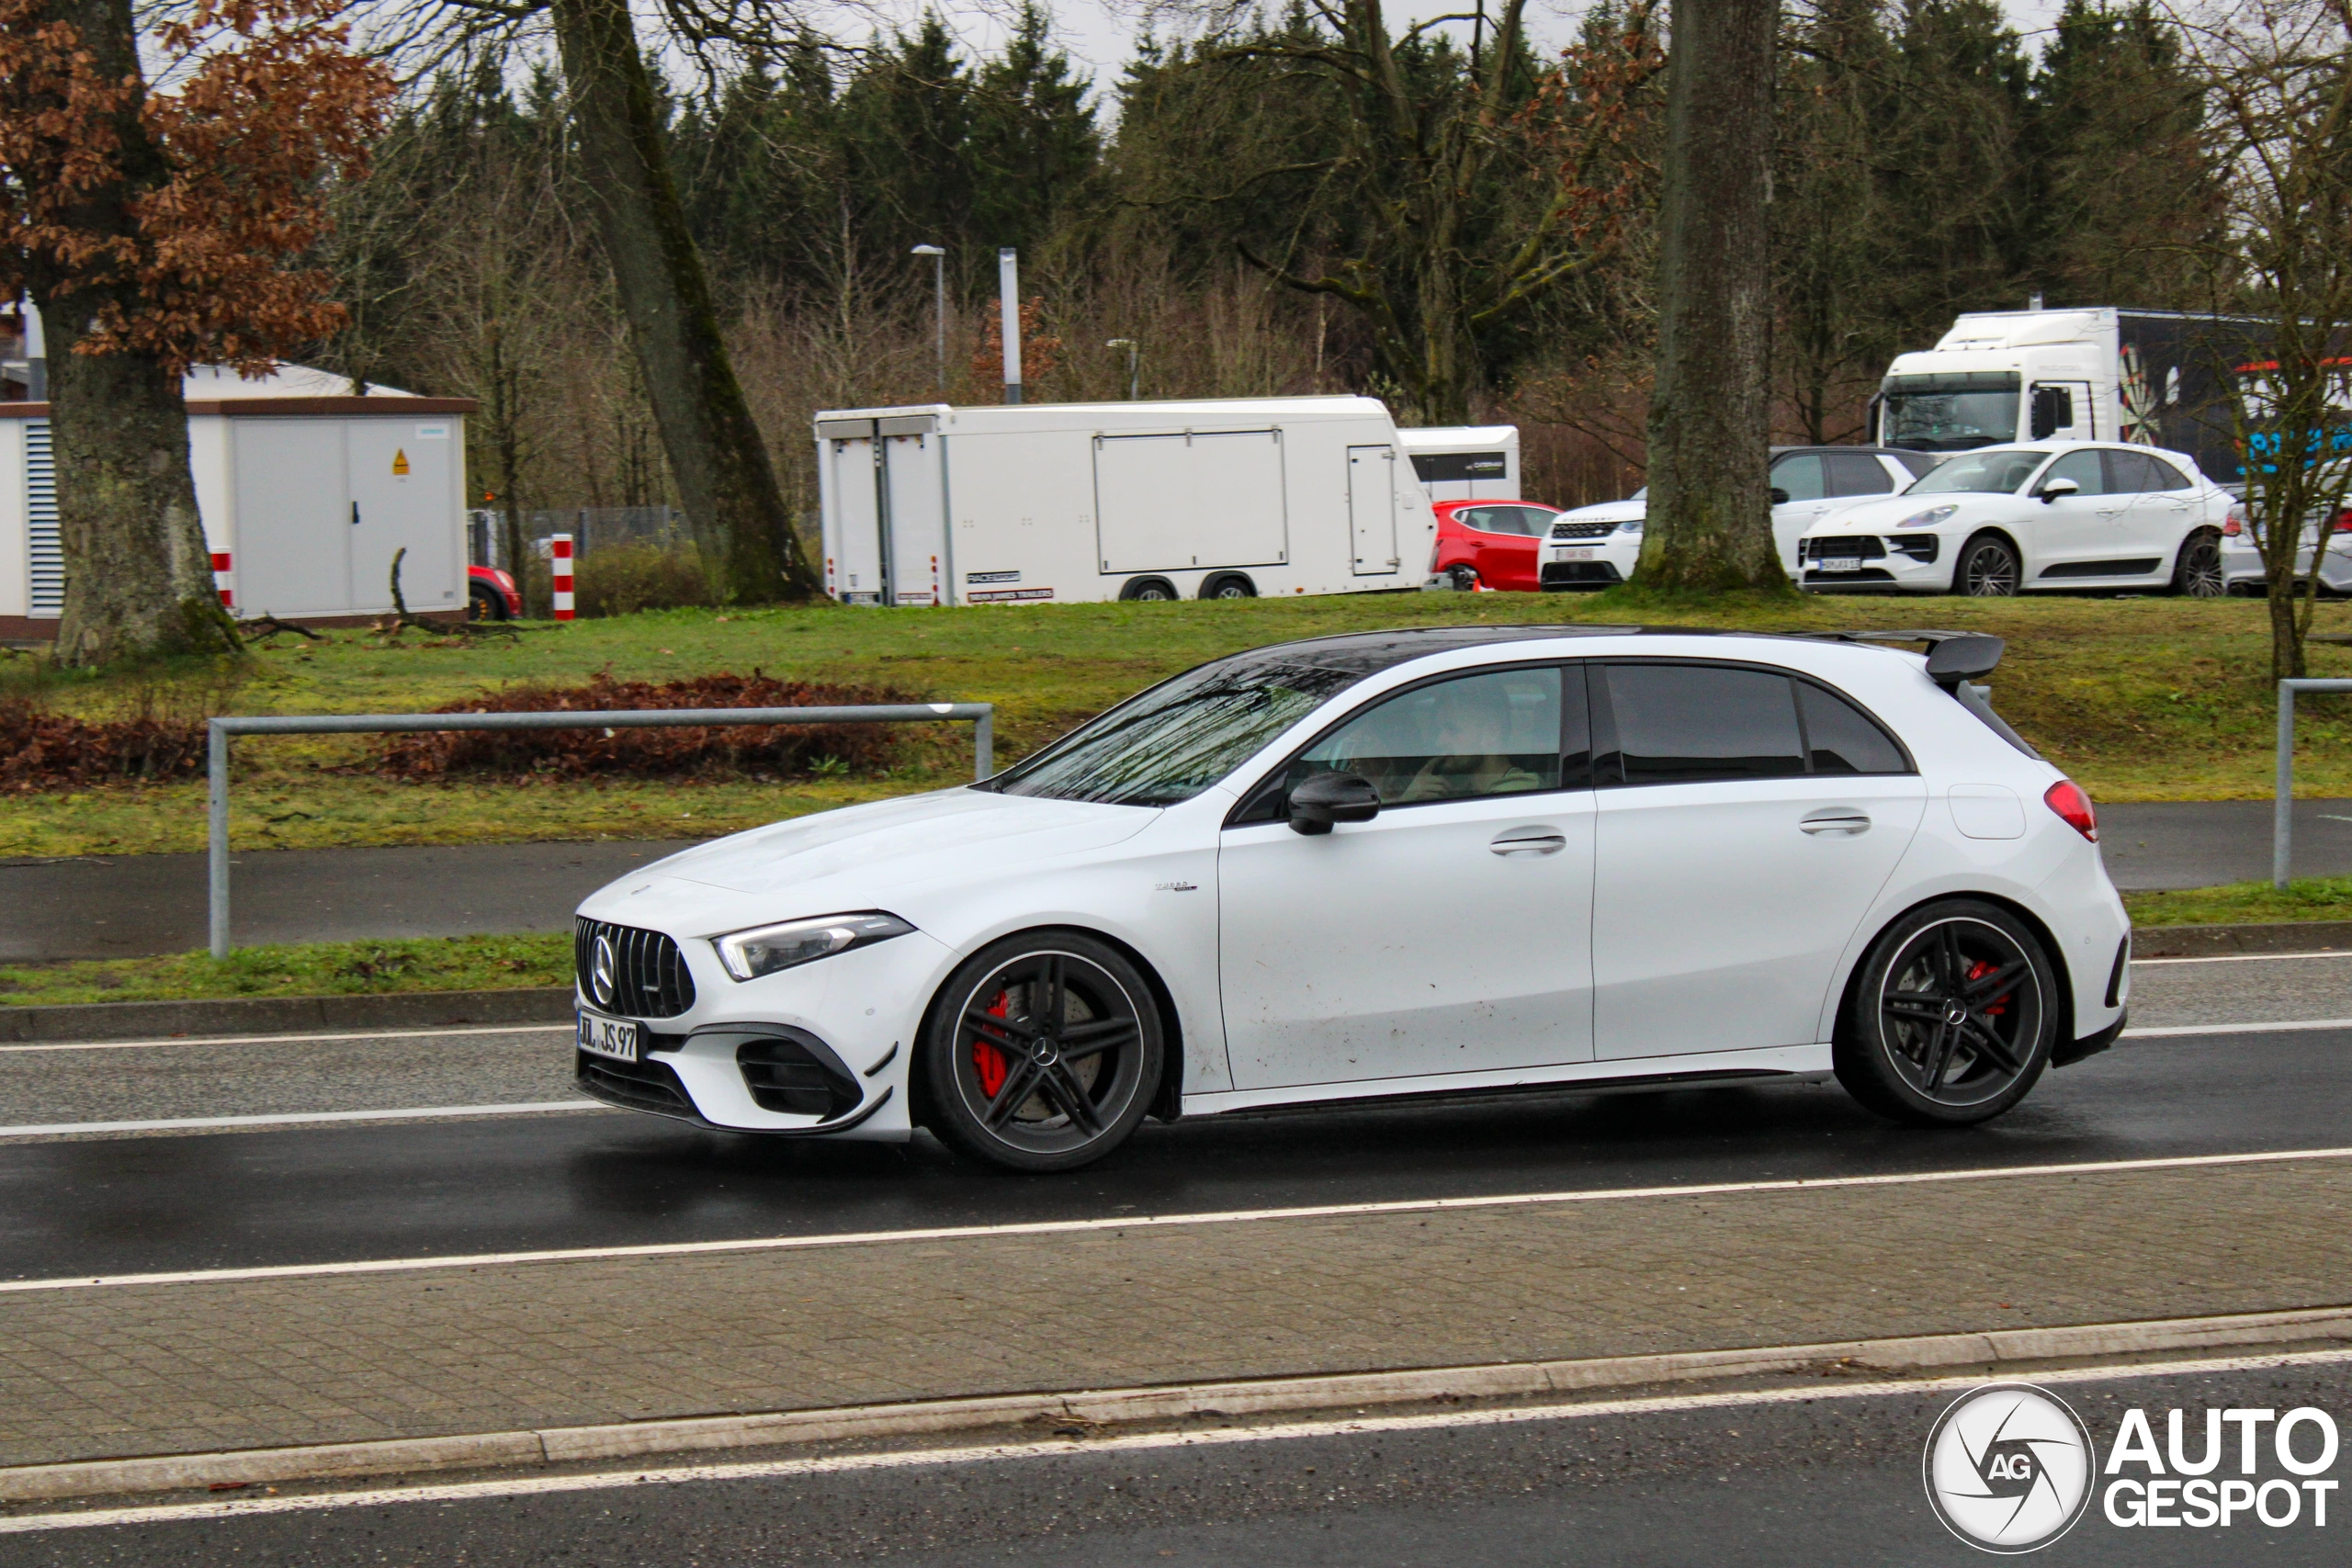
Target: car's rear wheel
[[1043, 1053], [483, 602], [1952, 1017], [1463, 578], [1988, 568], [2198, 571]]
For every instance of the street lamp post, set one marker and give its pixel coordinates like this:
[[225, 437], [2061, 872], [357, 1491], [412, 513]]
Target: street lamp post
[[1134, 351], [939, 305]]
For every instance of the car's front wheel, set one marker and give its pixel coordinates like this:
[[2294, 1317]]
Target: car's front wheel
[[1952, 1017], [1043, 1051], [1988, 568]]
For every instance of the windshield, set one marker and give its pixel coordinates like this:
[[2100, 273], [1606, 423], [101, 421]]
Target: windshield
[[1181, 737], [1986, 472], [1953, 412]]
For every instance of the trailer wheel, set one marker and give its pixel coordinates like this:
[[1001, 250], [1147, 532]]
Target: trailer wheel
[[1150, 589], [1229, 585]]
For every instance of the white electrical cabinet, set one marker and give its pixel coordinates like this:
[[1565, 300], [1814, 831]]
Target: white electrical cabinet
[[1071, 502], [306, 494], [1465, 462]]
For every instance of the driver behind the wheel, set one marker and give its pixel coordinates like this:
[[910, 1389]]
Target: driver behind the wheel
[[1473, 724]]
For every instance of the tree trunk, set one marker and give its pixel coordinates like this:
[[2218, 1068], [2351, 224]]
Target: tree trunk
[[137, 574], [745, 535], [1709, 522]]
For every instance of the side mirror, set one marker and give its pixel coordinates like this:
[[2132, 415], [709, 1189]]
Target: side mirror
[[1780, 496], [1326, 799], [2052, 489]]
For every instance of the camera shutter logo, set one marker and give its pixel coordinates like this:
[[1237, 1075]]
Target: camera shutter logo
[[600, 972], [2008, 1468]]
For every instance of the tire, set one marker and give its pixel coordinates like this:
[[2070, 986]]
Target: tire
[[1987, 568], [1149, 590], [1012, 1076], [1229, 585], [1464, 578], [483, 603], [2197, 572], [1950, 1018]]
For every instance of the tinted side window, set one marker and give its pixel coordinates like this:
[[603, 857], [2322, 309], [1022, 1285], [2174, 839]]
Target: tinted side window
[[1492, 519], [2085, 469], [2165, 477], [1535, 520], [1919, 463], [1688, 723], [1801, 476], [1857, 473], [1494, 733], [1841, 738]]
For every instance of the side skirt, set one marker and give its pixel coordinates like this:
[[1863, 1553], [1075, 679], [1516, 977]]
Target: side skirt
[[1785, 1062]]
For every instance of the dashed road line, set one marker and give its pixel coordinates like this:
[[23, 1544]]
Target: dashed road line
[[294, 1118]]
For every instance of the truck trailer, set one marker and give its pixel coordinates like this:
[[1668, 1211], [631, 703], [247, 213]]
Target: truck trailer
[[1465, 462], [1072, 503], [2154, 378]]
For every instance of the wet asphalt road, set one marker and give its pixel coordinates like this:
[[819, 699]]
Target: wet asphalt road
[[1829, 1481], [121, 906]]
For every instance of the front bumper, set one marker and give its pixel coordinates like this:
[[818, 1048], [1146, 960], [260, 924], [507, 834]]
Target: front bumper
[[1915, 562]]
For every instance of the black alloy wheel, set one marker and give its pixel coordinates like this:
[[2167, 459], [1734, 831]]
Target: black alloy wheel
[[2198, 571], [1988, 568], [1952, 1017], [1149, 590], [1043, 1053], [484, 603]]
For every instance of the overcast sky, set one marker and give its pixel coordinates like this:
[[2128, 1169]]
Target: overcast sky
[[1100, 34]]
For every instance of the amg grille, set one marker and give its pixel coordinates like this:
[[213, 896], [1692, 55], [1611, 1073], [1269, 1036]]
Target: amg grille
[[649, 973], [639, 1085], [1859, 547], [1582, 530]]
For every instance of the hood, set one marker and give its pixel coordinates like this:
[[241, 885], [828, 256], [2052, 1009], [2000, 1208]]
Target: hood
[[1627, 511], [1880, 514], [949, 836]]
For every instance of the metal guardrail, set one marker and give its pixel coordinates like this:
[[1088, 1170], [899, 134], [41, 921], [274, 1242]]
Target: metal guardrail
[[2282, 826], [981, 715]]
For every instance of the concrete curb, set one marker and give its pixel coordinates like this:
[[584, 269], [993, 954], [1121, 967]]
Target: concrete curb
[[170, 1473], [2219, 942], [284, 1015]]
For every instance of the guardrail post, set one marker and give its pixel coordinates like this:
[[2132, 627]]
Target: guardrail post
[[984, 746], [2282, 819], [216, 769]]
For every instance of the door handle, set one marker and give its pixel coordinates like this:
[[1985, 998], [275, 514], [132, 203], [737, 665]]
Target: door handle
[[1529, 841], [1837, 819]]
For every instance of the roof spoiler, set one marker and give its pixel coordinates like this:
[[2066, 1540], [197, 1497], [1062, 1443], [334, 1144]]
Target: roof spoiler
[[1953, 657]]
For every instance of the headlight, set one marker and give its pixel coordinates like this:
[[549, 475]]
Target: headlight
[[763, 950], [1928, 519], [1631, 525]]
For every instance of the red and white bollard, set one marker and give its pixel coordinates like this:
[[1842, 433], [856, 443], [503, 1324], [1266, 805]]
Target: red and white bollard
[[224, 580], [562, 562]]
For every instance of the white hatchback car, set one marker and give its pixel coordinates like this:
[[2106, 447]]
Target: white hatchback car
[[1456, 860], [2002, 520]]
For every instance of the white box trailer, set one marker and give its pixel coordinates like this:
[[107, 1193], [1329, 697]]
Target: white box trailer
[[1465, 462], [306, 493], [1071, 503]]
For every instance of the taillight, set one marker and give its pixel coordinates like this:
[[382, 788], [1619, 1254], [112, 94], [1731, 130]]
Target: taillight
[[2235, 526], [2343, 521], [2072, 807]]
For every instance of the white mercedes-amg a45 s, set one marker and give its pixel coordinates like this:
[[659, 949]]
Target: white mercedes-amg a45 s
[[1460, 859]]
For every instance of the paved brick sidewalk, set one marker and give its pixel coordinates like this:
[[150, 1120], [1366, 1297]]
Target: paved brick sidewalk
[[155, 1369]]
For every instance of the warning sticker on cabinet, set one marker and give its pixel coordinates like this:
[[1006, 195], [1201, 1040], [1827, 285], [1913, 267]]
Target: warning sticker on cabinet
[[400, 463]]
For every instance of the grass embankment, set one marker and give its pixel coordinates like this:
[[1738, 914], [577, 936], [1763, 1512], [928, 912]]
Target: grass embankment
[[316, 969], [2139, 699], [487, 963]]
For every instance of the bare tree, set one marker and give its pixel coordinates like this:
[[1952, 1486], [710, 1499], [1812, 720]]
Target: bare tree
[[2282, 78], [1710, 521]]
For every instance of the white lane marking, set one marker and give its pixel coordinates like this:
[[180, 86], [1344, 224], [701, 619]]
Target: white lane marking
[[1152, 1221], [1138, 1442], [192, 1123], [2241, 957], [294, 1039], [2160, 1030]]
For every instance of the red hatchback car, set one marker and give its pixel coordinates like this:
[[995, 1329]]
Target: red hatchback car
[[1491, 544]]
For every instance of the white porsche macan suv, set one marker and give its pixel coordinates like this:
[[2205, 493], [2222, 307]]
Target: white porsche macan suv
[[1458, 860], [2002, 520]]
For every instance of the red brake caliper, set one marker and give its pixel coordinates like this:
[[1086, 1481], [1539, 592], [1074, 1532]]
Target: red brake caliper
[[1977, 972], [986, 1059]]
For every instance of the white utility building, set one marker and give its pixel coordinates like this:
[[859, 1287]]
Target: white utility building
[[306, 491]]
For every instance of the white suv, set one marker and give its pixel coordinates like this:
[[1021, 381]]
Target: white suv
[[2002, 520]]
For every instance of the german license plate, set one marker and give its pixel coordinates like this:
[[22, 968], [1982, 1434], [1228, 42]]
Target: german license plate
[[601, 1036], [1841, 563], [1575, 555]]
